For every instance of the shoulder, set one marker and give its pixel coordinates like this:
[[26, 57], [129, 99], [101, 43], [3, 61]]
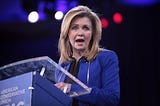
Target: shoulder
[[107, 55]]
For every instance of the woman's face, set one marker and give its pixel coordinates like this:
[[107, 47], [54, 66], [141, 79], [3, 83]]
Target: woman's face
[[80, 33]]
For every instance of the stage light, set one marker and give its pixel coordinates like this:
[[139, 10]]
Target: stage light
[[117, 18], [104, 22], [33, 17], [58, 15]]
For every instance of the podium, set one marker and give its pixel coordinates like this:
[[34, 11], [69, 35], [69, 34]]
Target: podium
[[31, 82]]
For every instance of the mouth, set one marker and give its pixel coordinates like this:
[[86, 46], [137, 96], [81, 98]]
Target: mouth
[[79, 40]]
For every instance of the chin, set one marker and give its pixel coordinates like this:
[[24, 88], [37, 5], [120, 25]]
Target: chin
[[81, 49]]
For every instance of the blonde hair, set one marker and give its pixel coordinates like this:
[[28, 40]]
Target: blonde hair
[[64, 45]]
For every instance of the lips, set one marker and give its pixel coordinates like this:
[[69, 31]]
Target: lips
[[79, 40]]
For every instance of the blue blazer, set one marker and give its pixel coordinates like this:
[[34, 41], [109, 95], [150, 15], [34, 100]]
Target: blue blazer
[[102, 76]]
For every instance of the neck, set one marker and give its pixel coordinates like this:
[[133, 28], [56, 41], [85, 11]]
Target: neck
[[78, 54]]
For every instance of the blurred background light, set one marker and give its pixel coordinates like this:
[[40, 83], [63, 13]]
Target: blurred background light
[[58, 15], [117, 18], [104, 22], [61, 5], [139, 2], [33, 17]]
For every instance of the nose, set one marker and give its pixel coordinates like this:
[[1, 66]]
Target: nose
[[80, 32]]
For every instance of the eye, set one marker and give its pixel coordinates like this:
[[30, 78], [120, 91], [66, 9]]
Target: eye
[[74, 27], [86, 28]]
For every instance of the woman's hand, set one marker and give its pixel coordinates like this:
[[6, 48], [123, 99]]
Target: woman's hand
[[65, 87]]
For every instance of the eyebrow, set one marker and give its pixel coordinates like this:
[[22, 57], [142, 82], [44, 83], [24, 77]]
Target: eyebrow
[[83, 25]]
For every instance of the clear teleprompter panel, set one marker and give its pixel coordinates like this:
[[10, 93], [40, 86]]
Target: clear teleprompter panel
[[48, 69]]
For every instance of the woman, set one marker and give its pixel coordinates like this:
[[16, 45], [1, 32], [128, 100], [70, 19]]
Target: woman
[[81, 56]]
